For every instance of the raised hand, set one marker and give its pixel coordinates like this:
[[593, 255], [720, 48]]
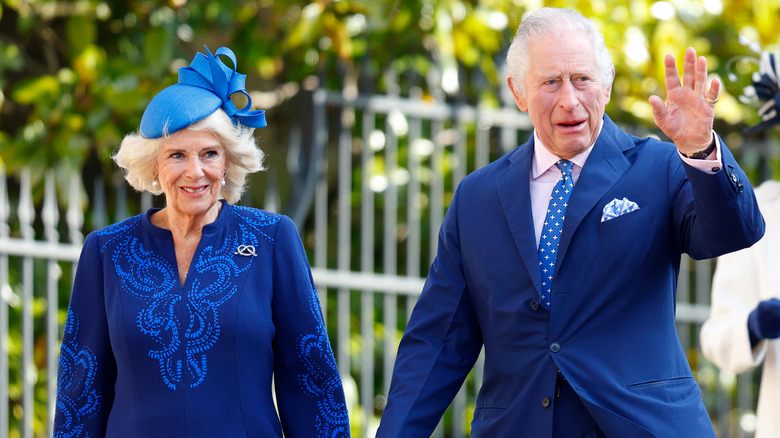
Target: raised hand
[[687, 116]]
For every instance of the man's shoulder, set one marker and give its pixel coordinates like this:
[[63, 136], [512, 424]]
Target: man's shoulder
[[644, 148], [494, 168], [629, 141], [653, 145]]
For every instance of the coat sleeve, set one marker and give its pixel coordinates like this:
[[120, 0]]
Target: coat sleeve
[[740, 282], [724, 336], [439, 347], [308, 387], [87, 369]]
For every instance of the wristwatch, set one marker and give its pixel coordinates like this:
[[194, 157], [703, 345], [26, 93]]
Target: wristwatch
[[702, 154]]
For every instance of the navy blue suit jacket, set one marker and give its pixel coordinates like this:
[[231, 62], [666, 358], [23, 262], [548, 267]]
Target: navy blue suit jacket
[[611, 331]]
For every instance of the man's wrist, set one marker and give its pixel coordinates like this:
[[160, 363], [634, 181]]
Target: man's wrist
[[703, 153]]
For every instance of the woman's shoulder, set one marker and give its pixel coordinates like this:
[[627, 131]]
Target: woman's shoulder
[[258, 218], [768, 197], [769, 191], [98, 239], [256, 214], [119, 227], [273, 227]]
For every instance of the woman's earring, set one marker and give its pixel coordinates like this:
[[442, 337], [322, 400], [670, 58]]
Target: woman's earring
[[154, 183], [223, 178]]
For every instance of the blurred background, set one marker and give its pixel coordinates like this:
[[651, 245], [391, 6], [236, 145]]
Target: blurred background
[[376, 110]]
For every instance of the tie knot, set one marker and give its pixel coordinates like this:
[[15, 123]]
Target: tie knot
[[565, 167]]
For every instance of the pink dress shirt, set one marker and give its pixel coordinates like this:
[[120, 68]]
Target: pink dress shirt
[[544, 175]]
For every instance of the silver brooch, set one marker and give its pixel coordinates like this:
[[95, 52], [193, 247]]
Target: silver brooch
[[246, 250]]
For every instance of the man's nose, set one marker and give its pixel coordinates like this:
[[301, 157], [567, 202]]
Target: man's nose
[[569, 97]]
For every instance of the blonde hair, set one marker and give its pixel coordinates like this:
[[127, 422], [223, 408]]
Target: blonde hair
[[137, 156]]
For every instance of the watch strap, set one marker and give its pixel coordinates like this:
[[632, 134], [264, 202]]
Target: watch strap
[[702, 154]]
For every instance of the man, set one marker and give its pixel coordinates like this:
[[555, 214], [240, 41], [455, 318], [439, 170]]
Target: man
[[574, 303]]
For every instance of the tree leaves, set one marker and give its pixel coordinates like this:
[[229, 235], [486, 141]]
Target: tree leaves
[[101, 63]]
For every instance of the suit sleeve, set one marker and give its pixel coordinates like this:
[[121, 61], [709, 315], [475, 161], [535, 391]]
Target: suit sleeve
[[87, 369], [309, 392], [718, 213], [439, 347]]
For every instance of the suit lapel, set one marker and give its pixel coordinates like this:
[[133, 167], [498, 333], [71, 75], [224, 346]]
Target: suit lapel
[[605, 166], [515, 196]]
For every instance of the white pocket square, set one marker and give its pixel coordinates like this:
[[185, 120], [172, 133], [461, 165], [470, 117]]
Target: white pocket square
[[617, 207]]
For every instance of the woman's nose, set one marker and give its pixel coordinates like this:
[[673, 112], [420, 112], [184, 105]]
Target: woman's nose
[[194, 168]]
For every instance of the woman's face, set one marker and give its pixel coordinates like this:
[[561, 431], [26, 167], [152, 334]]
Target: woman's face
[[190, 169]]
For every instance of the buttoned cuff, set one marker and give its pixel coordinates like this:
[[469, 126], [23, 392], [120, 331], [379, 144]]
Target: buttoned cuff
[[712, 164]]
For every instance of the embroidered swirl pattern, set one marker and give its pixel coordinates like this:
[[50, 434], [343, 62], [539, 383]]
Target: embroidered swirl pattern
[[78, 368], [195, 327], [321, 380], [184, 322]]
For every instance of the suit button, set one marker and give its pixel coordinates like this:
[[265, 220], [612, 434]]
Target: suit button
[[546, 402], [555, 347], [535, 305]]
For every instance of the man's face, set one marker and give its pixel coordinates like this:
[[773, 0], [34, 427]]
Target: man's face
[[565, 95]]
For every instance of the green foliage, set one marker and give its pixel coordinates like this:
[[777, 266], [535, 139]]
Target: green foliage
[[76, 76]]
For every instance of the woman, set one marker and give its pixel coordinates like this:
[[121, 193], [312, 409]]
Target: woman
[[181, 318], [743, 328], [744, 323]]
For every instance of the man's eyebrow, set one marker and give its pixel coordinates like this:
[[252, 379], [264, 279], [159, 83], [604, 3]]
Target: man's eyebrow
[[546, 76]]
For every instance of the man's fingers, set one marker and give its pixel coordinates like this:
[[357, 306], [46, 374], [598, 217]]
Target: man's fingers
[[671, 76], [701, 76], [689, 68], [659, 110], [713, 94]]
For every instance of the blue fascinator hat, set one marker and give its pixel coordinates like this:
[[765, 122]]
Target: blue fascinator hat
[[764, 91], [204, 87]]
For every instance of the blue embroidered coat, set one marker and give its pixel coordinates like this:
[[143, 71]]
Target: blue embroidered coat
[[144, 356]]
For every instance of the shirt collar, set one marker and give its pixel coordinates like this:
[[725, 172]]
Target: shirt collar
[[544, 159]]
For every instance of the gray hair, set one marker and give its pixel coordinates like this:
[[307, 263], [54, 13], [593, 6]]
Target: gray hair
[[547, 22], [137, 156]]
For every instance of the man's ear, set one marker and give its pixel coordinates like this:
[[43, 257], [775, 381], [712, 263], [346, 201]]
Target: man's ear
[[521, 102], [608, 90]]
